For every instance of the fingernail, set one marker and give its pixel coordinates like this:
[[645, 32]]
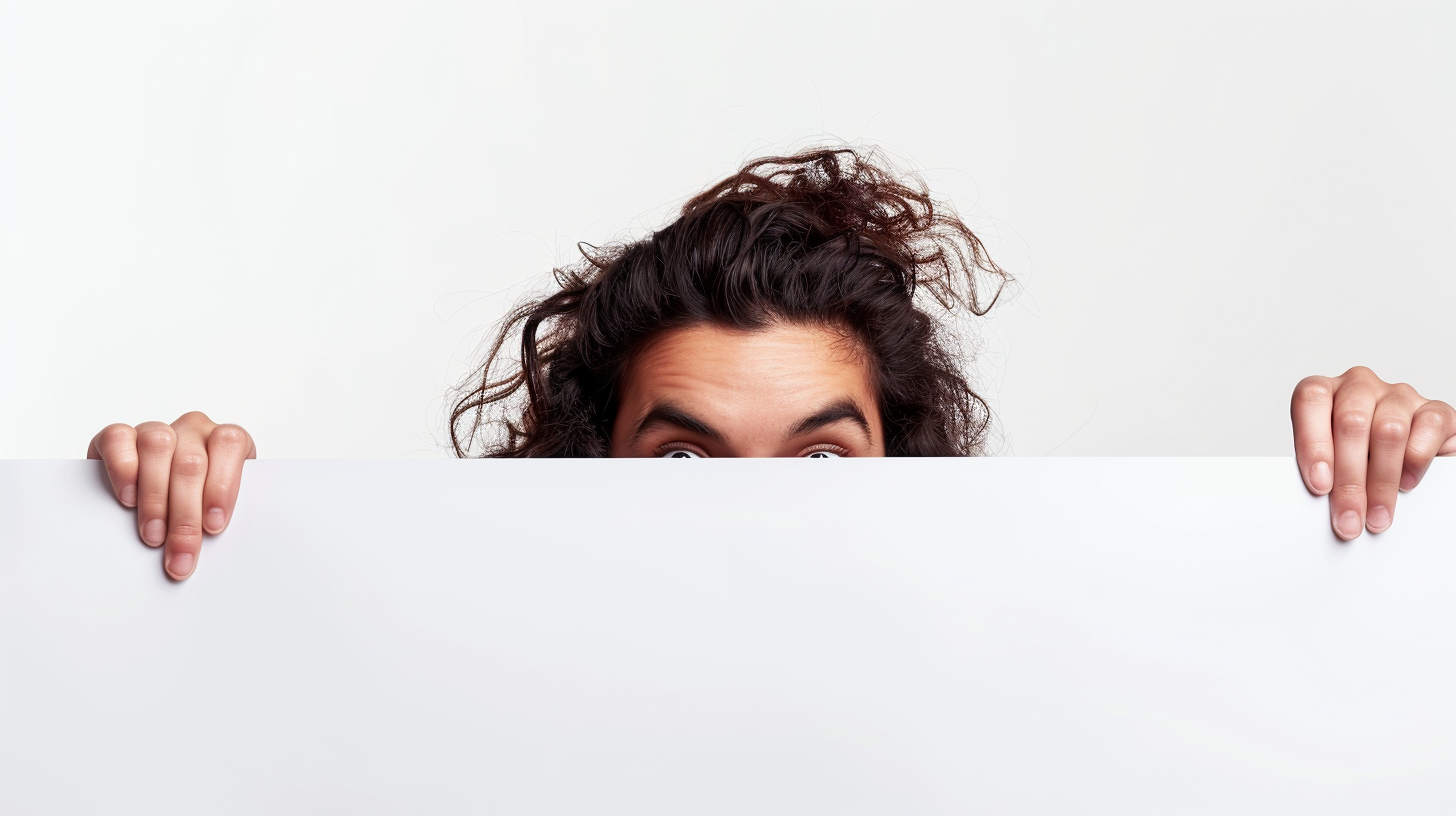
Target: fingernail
[[154, 532], [1378, 518], [128, 495], [215, 520], [1349, 525], [179, 565], [1320, 477]]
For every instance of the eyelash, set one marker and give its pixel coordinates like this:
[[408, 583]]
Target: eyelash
[[672, 446]]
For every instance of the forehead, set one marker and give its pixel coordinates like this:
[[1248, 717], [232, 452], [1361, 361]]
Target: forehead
[[782, 360]]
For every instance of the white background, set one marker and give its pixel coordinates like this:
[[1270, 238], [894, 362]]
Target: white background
[[299, 216]]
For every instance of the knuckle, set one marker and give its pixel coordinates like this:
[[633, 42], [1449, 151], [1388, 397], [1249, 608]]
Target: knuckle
[[156, 438], [229, 435], [1312, 389], [192, 418], [1360, 372], [1428, 427], [1395, 399], [1317, 450], [116, 435], [185, 534], [1349, 492], [1384, 489], [191, 463], [1429, 418], [1391, 430], [1352, 423]]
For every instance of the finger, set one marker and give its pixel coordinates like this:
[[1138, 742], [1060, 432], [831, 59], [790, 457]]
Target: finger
[[1314, 447], [227, 448], [1354, 407], [1432, 426], [184, 502], [116, 447], [155, 443], [1448, 449], [1389, 431]]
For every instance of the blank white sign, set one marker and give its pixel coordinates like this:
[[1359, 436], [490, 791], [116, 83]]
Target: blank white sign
[[947, 636]]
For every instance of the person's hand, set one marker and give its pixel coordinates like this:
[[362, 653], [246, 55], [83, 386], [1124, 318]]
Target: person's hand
[[182, 478], [1362, 440]]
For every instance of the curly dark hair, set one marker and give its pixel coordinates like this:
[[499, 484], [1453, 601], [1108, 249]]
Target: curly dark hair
[[833, 237]]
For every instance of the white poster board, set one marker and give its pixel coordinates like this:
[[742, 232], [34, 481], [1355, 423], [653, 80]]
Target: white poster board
[[949, 636]]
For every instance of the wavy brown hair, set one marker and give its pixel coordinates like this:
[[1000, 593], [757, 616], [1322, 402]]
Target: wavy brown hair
[[833, 237]]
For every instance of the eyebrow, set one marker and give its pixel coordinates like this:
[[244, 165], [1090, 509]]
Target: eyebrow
[[841, 410], [665, 413]]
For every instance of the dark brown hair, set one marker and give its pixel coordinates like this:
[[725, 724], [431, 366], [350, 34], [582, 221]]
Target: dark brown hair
[[828, 236]]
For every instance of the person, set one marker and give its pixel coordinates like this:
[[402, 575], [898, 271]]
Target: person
[[800, 307]]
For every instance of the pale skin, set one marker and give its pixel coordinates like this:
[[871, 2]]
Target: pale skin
[[787, 390]]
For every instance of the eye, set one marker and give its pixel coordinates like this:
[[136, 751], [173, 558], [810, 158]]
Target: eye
[[826, 453], [679, 453]]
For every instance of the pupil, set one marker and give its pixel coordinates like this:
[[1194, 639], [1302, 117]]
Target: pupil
[[680, 455]]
